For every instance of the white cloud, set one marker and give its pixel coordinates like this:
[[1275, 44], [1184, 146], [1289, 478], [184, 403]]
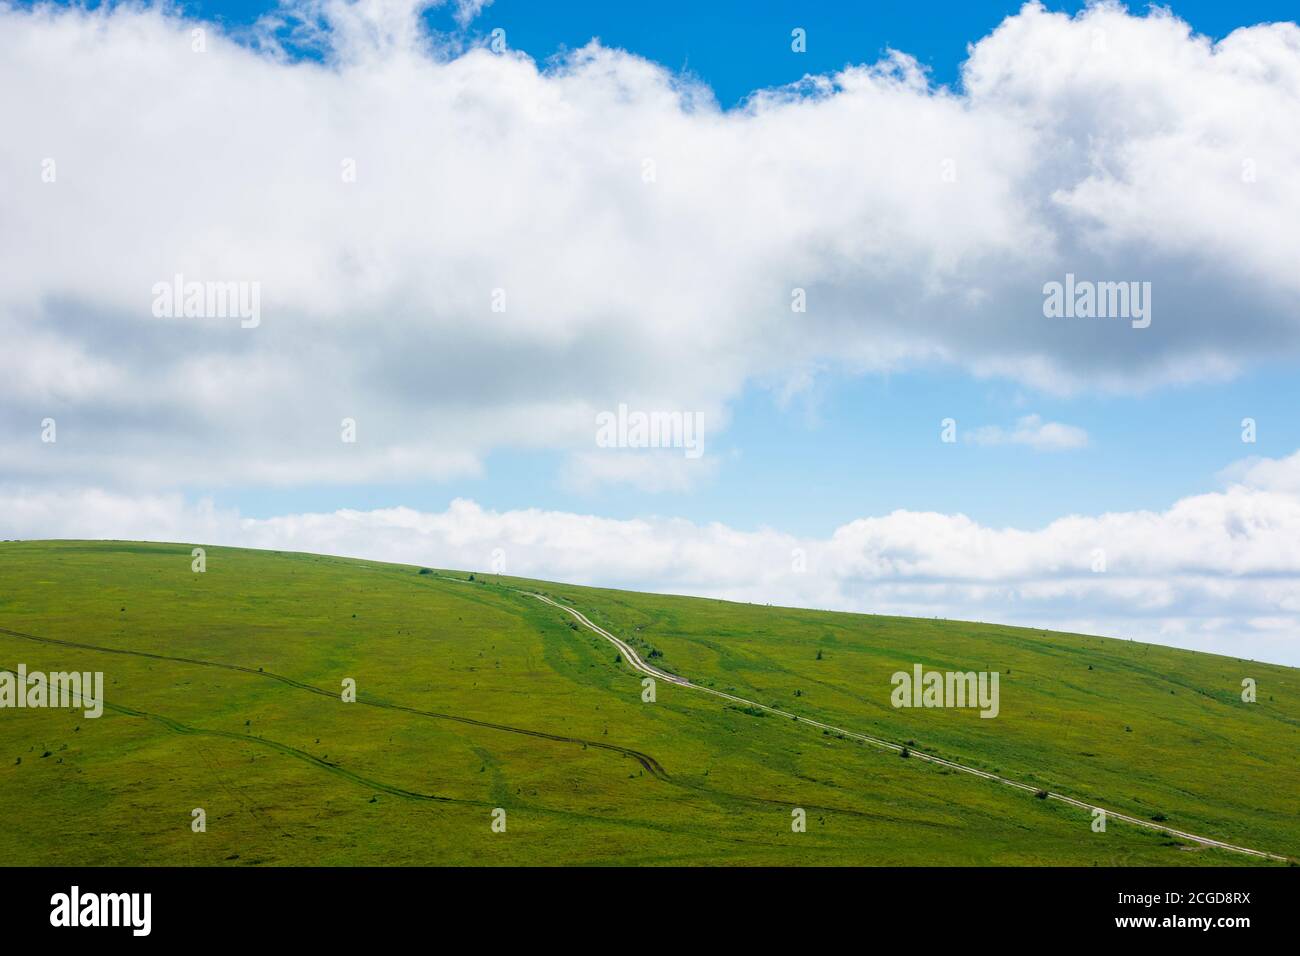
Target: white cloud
[[1272, 474], [1031, 430], [921, 223], [1124, 159], [1217, 571], [467, 10]]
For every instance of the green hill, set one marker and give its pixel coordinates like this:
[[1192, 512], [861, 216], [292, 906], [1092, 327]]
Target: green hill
[[223, 692]]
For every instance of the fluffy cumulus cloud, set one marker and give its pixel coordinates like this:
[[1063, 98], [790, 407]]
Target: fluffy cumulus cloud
[[1217, 571], [462, 250]]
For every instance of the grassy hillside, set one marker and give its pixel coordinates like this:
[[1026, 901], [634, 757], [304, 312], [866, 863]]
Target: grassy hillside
[[474, 697]]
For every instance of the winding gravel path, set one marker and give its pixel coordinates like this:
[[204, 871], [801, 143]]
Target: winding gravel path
[[639, 665]]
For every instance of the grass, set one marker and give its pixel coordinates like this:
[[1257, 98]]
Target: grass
[[472, 697]]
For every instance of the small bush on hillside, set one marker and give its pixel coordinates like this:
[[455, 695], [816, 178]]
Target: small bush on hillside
[[905, 752], [426, 570], [1041, 794]]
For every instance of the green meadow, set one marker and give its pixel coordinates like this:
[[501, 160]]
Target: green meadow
[[223, 691]]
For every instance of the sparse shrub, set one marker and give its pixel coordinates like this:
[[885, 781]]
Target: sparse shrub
[[905, 752], [1159, 817], [426, 570], [1041, 794]]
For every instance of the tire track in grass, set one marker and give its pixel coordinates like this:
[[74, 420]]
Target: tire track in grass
[[176, 727], [645, 760]]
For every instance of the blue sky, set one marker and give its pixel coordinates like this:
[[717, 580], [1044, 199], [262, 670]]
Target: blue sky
[[870, 445], [738, 46], [379, 181]]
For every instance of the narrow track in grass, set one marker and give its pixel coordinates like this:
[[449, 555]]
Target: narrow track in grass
[[648, 762], [176, 727], [645, 760]]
